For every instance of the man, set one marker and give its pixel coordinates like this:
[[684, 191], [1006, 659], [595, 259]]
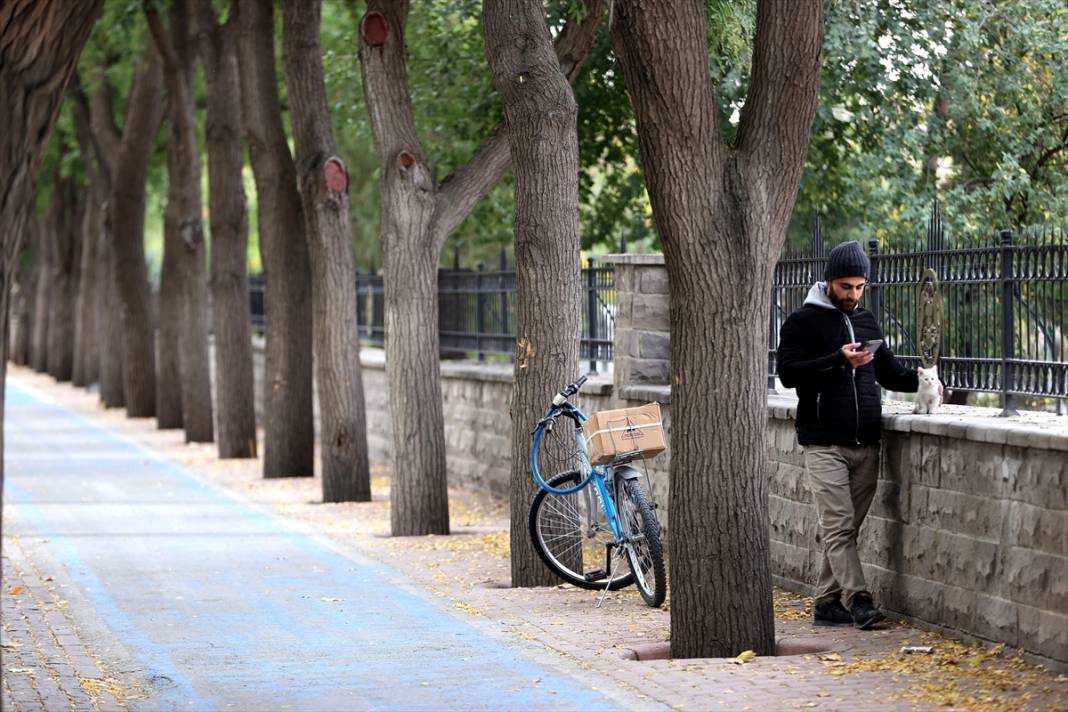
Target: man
[[839, 422]]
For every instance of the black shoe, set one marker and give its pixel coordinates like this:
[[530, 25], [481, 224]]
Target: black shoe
[[831, 612], [865, 614]]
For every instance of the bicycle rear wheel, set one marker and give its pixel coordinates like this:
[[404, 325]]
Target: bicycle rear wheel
[[572, 537], [645, 551]]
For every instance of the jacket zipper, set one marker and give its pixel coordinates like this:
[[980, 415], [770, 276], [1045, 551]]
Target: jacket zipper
[[856, 400]]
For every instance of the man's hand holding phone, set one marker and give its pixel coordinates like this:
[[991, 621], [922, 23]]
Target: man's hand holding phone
[[858, 354]]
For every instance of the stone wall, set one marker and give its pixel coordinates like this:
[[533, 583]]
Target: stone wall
[[968, 531]]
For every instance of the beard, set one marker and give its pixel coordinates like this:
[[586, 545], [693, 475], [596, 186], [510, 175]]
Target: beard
[[845, 304]]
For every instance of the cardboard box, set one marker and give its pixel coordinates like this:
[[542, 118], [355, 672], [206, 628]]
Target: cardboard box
[[611, 433]]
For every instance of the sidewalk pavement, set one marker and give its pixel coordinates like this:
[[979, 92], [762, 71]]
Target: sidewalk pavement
[[66, 645]]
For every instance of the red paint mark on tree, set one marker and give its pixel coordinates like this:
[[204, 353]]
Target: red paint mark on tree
[[374, 29], [406, 159], [337, 179]]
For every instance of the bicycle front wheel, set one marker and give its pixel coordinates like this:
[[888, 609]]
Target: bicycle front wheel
[[572, 536], [645, 551]]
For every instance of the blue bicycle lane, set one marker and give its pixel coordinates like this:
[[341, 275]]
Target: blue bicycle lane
[[229, 608]]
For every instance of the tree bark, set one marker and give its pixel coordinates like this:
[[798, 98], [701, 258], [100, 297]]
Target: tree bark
[[417, 215], [41, 247], [184, 227], [323, 188], [144, 112], [40, 41], [21, 311], [86, 355], [722, 213], [540, 114], [62, 226], [109, 329], [289, 437], [235, 396], [171, 305]]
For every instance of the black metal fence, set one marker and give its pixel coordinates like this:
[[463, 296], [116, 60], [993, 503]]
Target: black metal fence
[[477, 312], [1005, 302], [1004, 306]]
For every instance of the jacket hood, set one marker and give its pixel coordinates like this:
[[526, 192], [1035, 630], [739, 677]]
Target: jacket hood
[[817, 296]]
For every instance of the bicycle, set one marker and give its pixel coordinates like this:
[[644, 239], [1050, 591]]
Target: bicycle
[[583, 507]]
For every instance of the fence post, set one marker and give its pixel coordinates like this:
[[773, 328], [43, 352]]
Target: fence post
[[1008, 333], [480, 312], [875, 297], [772, 340], [591, 312]]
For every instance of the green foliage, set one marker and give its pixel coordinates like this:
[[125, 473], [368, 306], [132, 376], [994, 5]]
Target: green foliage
[[961, 100]]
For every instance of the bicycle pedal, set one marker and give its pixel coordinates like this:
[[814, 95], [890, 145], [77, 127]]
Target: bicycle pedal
[[594, 575]]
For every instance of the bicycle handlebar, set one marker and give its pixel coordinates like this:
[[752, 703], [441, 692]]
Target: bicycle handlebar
[[569, 391]]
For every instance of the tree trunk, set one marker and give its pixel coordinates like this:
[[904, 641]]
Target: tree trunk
[[144, 112], [417, 215], [40, 41], [289, 436], [323, 187], [184, 231], [21, 309], [171, 307], [86, 356], [234, 386], [65, 216], [108, 321], [722, 213], [41, 246], [540, 113]]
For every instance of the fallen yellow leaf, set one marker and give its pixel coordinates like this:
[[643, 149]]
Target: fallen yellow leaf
[[744, 657]]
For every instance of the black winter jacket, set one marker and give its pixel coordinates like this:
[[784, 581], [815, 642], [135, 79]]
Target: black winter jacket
[[837, 405]]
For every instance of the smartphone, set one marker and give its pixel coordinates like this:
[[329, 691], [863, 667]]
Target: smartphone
[[872, 345]]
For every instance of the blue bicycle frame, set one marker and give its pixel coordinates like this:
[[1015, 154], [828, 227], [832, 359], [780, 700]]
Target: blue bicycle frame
[[598, 474]]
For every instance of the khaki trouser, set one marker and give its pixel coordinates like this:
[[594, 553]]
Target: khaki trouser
[[842, 480]]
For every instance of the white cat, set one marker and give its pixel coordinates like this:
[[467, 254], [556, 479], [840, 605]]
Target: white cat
[[927, 395]]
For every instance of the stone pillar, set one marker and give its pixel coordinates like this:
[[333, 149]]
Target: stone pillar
[[641, 343]]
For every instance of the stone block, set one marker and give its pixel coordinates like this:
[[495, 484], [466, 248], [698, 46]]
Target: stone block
[[996, 619], [654, 345], [880, 542], [910, 595], [1032, 527], [797, 563], [927, 460], [654, 280], [958, 607], [650, 312], [1044, 632], [1035, 578], [1039, 477], [961, 513], [791, 522], [788, 481], [648, 371], [918, 508], [625, 278], [971, 467], [891, 500]]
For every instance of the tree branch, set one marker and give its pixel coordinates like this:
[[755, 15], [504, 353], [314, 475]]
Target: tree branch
[[786, 74], [102, 121], [162, 38], [462, 190]]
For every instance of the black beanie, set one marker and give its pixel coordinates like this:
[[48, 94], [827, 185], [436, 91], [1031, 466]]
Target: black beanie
[[847, 260]]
